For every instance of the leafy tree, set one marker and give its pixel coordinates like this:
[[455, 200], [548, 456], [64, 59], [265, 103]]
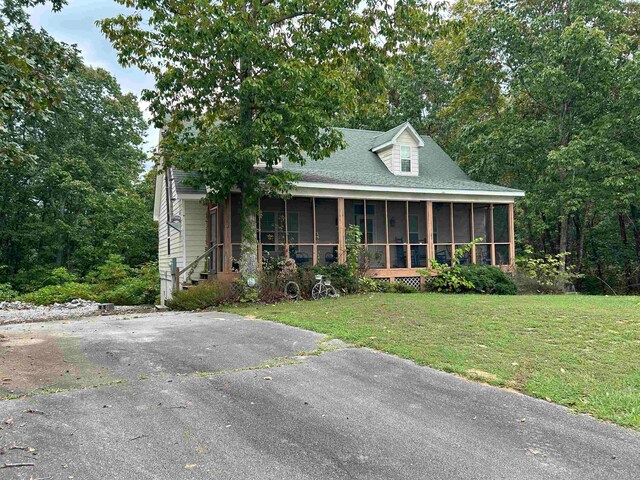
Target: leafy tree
[[77, 198], [240, 82], [29, 78]]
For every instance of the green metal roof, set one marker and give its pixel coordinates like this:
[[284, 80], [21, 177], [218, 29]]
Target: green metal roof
[[358, 165]]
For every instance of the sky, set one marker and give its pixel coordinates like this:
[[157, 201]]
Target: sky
[[75, 24]]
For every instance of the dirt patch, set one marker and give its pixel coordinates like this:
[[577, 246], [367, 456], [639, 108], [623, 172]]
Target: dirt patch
[[29, 361], [482, 375], [32, 362]]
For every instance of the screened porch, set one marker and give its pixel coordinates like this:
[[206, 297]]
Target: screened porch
[[400, 236]]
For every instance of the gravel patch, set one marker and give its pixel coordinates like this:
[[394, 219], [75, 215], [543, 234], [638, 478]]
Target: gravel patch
[[19, 312]]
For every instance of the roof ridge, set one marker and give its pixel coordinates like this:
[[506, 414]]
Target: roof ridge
[[359, 129], [391, 129]]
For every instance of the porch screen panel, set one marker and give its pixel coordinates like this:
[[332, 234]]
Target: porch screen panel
[[502, 254], [462, 229], [462, 222], [354, 215], [236, 208], [442, 237], [220, 256], [501, 223], [418, 234], [327, 254], [327, 221], [300, 230], [398, 241], [483, 229], [483, 254], [501, 234], [441, 223], [376, 234], [272, 227], [326, 230]]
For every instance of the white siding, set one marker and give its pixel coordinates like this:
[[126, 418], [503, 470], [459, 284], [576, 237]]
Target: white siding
[[405, 138], [386, 156], [167, 234], [391, 155], [194, 229]]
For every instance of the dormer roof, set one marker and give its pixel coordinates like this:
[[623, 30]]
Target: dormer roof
[[390, 137]]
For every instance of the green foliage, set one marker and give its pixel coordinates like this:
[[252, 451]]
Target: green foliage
[[42, 276], [339, 274], [77, 197], [243, 293], [447, 278], [111, 272], [113, 282], [548, 271], [208, 294], [240, 83], [140, 288], [540, 96], [488, 279], [354, 249], [61, 293], [7, 293]]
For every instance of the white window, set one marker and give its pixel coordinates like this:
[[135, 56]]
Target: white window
[[405, 158]]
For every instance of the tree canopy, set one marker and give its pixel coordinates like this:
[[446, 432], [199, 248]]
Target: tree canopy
[[541, 96], [257, 80], [70, 155]]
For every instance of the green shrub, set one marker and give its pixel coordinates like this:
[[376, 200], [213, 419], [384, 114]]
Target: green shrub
[[205, 295], [488, 279], [112, 272], [132, 291], [115, 282], [7, 293], [60, 293], [449, 278], [550, 272], [41, 276]]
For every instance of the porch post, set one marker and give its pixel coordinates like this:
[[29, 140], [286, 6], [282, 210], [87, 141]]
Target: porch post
[[512, 236], [431, 252], [473, 235], [493, 240], [314, 254], [342, 240], [228, 251]]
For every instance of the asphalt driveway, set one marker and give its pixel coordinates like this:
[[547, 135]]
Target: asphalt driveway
[[174, 396]]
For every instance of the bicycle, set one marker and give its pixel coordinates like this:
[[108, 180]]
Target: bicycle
[[323, 289]]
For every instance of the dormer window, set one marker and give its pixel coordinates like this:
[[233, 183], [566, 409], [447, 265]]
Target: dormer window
[[405, 158], [399, 150]]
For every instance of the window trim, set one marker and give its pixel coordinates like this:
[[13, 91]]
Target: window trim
[[406, 158]]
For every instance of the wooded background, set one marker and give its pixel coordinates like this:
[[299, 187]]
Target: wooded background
[[540, 95]]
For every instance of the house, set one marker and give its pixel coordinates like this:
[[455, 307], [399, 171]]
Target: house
[[409, 198]]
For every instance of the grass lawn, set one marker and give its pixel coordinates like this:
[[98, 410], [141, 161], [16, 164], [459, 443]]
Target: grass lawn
[[578, 351]]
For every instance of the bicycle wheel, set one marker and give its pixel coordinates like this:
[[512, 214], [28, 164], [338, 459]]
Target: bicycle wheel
[[331, 292], [292, 290], [318, 291]]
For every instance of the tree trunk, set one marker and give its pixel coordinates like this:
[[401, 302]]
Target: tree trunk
[[563, 240], [635, 225], [579, 226], [249, 228], [248, 223], [625, 242]]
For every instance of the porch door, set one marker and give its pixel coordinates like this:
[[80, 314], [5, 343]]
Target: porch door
[[213, 242]]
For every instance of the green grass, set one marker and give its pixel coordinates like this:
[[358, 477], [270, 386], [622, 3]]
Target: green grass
[[578, 351]]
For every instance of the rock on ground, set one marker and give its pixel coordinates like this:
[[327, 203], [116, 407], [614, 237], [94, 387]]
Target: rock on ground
[[12, 312]]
